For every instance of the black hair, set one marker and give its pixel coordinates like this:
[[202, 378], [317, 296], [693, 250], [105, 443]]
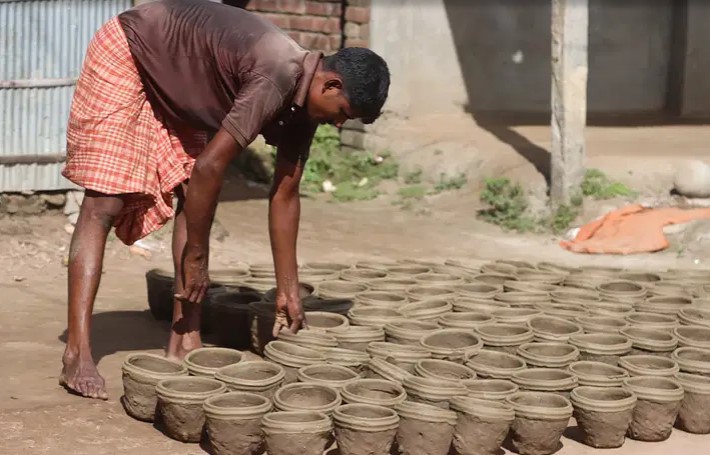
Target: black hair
[[366, 80]]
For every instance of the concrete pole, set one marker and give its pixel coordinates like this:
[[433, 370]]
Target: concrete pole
[[570, 19]]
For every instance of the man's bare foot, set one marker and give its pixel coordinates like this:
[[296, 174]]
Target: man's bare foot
[[81, 376], [180, 345]]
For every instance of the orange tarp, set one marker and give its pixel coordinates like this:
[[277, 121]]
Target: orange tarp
[[631, 229]]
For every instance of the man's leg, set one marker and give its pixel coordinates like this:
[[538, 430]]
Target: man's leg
[[185, 330], [86, 255]]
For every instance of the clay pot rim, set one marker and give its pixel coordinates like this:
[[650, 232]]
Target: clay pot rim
[[278, 351], [223, 374], [343, 321], [529, 286], [681, 333], [435, 389], [372, 295], [425, 309], [630, 364], [547, 335], [540, 412], [421, 293], [615, 373], [373, 265], [629, 274], [423, 369], [485, 409], [694, 383], [388, 370], [343, 354], [580, 399], [425, 412], [494, 278], [282, 405], [360, 333], [547, 264], [319, 422], [214, 410], [149, 375], [635, 334], [515, 315], [312, 340], [523, 334], [166, 393], [337, 285], [525, 380], [305, 374], [638, 291], [486, 369], [424, 326], [361, 275], [595, 321], [661, 320], [479, 288], [644, 390], [389, 421], [690, 317], [548, 360], [425, 342], [591, 343], [384, 349], [467, 316], [408, 269], [500, 393], [692, 365], [439, 278], [404, 282], [468, 304], [195, 368], [326, 266]]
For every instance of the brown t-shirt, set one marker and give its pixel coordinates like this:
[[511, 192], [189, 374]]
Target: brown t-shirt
[[206, 65]]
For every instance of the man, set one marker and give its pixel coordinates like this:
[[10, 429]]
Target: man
[[156, 81]]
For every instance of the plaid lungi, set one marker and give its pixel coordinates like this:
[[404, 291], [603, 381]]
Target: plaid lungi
[[117, 144]]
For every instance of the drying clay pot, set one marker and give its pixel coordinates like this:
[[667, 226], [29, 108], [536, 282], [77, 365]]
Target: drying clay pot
[[598, 374], [694, 414], [363, 429], [394, 285], [540, 420], [433, 391], [409, 332], [522, 299], [335, 376], [554, 267], [307, 396], [426, 310], [424, 429], [451, 344], [575, 297], [553, 329], [373, 316], [601, 347], [292, 357], [377, 392], [467, 320], [407, 270], [357, 338], [420, 292], [382, 369], [601, 324], [515, 315], [401, 355], [443, 369], [490, 389], [478, 290], [256, 376], [339, 289], [548, 355], [530, 286], [141, 373], [691, 336], [603, 415], [664, 305], [545, 380], [645, 278], [362, 275], [495, 364], [540, 276], [381, 299], [327, 266], [494, 278], [308, 339], [233, 422], [326, 322], [623, 291], [694, 316], [296, 433], [180, 403], [693, 360], [375, 265], [649, 365], [567, 311], [658, 404], [438, 279], [504, 337], [355, 360], [481, 425], [655, 321], [650, 341], [206, 361]]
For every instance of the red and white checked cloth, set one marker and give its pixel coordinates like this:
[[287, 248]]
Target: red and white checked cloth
[[115, 143]]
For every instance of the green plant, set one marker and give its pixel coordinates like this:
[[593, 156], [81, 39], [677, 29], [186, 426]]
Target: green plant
[[507, 205], [598, 185], [450, 183], [563, 218], [413, 177], [412, 192]]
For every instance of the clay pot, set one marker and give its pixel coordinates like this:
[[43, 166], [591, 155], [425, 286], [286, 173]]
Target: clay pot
[[305, 291], [382, 369], [481, 425], [598, 374], [362, 275], [307, 396], [548, 355], [206, 361], [649, 365], [335, 376], [230, 318], [671, 288], [568, 311], [490, 389], [309, 339], [233, 422], [141, 372], [357, 338], [292, 357], [601, 347], [694, 316], [655, 321], [424, 429], [261, 285], [601, 324], [694, 414], [553, 380], [495, 279], [438, 279], [664, 305], [256, 376], [443, 369], [693, 336], [530, 286], [375, 265], [650, 341], [426, 310], [362, 429], [326, 266], [478, 290], [554, 267], [316, 276], [377, 392], [420, 292], [519, 299], [409, 332], [540, 276], [640, 277], [394, 285], [404, 356], [180, 402], [603, 415], [355, 360], [407, 270], [160, 284], [553, 329], [340, 289], [572, 296], [540, 420], [381, 299], [659, 401], [261, 268], [504, 337], [500, 268], [451, 344], [623, 291], [467, 304], [296, 433], [495, 364], [468, 320], [693, 360], [373, 316], [326, 322], [515, 315], [433, 391]]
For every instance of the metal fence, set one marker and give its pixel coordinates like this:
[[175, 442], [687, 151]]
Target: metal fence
[[42, 47]]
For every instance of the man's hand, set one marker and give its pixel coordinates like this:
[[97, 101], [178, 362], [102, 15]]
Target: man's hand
[[289, 313], [195, 277]]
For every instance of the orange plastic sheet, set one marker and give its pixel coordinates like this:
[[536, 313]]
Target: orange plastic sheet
[[631, 229]]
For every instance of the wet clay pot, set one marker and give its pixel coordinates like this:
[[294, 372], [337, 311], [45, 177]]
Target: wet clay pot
[[504, 337], [424, 429], [296, 433], [438, 279], [426, 310], [375, 265], [665, 322], [548, 355], [650, 341], [326, 322], [355, 360], [451, 344], [381, 299], [601, 324], [308, 339], [568, 311], [540, 420], [693, 360], [598, 374], [603, 415], [664, 305], [490, 389], [292, 357], [382, 369], [520, 299], [553, 329], [233, 423], [362, 275], [601, 347], [691, 336], [515, 315], [206, 361], [694, 316], [392, 284], [494, 278], [623, 291], [376, 392], [307, 396], [255, 376], [340, 289], [443, 369], [373, 316], [554, 267], [468, 320], [649, 365], [530, 286], [407, 270], [421, 292], [433, 391], [481, 425], [409, 332], [335, 376], [694, 414], [180, 403], [357, 338], [609, 309], [646, 278], [478, 290], [401, 355], [659, 401], [552, 380], [141, 372], [540, 276], [489, 364], [468, 304], [316, 276], [363, 429]]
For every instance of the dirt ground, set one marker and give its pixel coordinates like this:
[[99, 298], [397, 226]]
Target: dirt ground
[[39, 417]]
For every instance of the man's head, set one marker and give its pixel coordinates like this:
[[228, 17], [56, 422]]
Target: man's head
[[353, 83]]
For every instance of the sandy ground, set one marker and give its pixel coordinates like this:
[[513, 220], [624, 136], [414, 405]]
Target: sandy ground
[[39, 417]]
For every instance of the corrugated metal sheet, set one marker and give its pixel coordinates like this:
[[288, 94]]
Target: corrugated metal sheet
[[42, 47]]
